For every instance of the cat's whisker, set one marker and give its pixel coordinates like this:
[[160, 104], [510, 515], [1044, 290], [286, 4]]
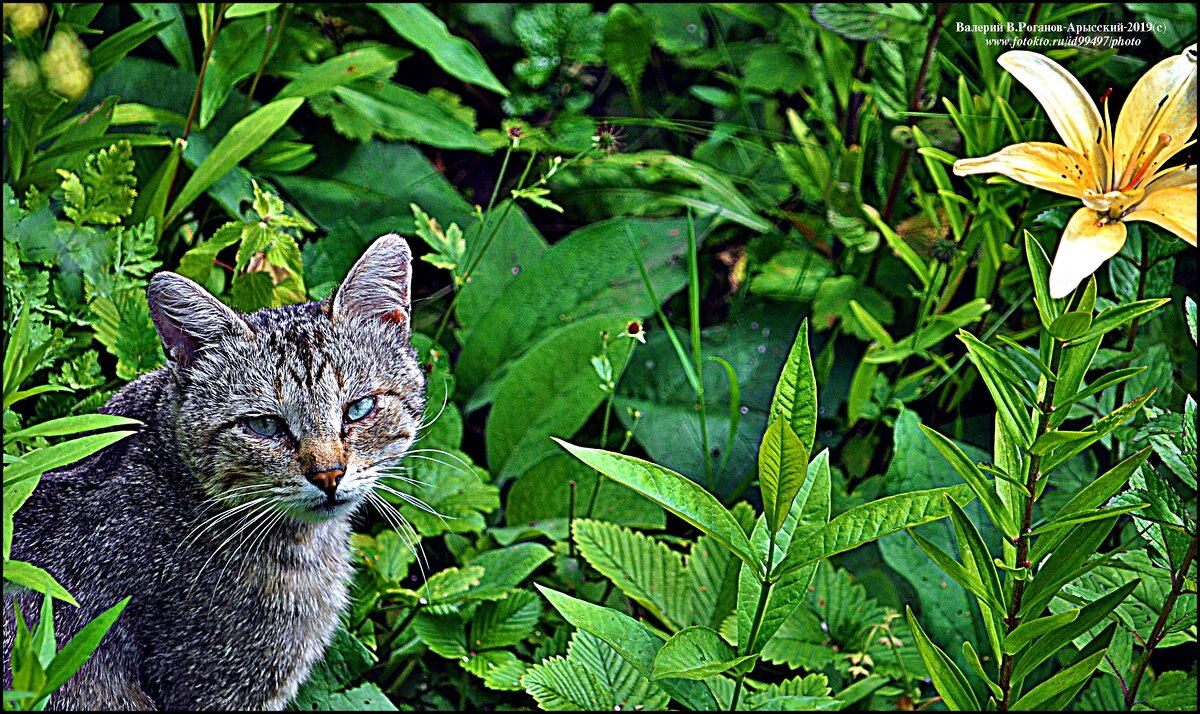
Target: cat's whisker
[[403, 528], [431, 450], [423, 425], [413, 500], [209, 523], [255, 541], [245, 523], [439, 461], [390, 474]]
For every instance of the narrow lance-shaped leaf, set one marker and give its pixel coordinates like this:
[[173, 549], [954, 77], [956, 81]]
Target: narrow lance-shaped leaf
[[782, 467], [75, 653], [673, 492], [868, 522], [979, 483], [796, 392], [696, 653], [947, 677]]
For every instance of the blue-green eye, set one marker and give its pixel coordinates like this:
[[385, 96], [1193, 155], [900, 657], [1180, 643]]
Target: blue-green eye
[[264, 426], [361, 408]]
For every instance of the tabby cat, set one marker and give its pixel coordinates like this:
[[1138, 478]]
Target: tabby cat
[[227, 516]]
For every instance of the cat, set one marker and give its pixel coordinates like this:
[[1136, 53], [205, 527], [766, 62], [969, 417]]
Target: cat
[[226, 517]]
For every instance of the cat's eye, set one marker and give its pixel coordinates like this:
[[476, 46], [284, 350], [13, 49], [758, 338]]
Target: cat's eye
[[264, 426], [360, 409]]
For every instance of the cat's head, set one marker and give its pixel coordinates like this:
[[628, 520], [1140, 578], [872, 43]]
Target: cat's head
[[298, 408]]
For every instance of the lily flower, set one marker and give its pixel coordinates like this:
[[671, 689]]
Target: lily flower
[[1119, 177]]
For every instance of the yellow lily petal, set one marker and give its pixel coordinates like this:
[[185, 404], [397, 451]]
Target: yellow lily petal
[[1051, 167], [1083, 248], [1163, 102], [1067, 104], [1170, 202]]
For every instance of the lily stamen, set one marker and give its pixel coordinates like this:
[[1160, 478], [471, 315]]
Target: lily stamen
[[1164, 140]]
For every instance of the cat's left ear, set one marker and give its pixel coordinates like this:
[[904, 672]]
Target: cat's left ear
[[378, 286]]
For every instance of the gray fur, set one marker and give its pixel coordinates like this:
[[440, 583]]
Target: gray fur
[[231, 603]]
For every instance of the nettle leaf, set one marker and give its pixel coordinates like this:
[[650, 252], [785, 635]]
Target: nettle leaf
[[645, 570], [592, 663], [713, 572], [104, 194], [505, 622]]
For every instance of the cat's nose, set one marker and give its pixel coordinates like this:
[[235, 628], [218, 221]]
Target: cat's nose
[[327, 479]]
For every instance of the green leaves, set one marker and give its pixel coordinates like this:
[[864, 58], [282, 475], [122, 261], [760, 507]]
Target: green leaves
[[673, 492], [947, 677], [782, 465], [627, 40], [796, 392], [870, 521], [696, 653], [979, 483], [239, 142], [647, 571], [453, 54]]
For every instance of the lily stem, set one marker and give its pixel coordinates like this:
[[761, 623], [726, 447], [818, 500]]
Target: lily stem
[[1042, 425]]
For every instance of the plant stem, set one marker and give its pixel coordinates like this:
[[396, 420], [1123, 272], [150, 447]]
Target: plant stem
[[697, 358], [914, 103], [187, 129], [1159, 632], [756, 624], [1042, 425], [1131, 335], [270, 49]]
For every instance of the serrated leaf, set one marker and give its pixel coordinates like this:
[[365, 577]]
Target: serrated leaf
[[645, 570], [505, 622]]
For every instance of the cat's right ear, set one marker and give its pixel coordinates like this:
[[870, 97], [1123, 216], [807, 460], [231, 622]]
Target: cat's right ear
[[187, 317], [378, 286]]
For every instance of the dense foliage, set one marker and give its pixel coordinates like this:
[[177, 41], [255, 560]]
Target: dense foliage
[[739, 397]]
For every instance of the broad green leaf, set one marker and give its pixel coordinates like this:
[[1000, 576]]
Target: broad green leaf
[[1070, 325], [505, 622], [871, 521], [544, 493], [590, 272], [342, 69], [550, 391], [979, 483], [631, 640], [673, 492], [696, 653], [239, 142], [796, 392], [558, 684], [947, 677], [782, 468], [647, 571], [249, 9], [75, 653], [397, 112], [1016, 640], [455, 55]]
